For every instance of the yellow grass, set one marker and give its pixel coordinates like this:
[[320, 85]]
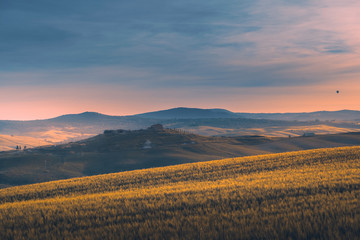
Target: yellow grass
[[296, 195], [9, 142]]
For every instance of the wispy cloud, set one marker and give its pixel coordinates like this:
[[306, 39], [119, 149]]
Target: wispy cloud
[[180, 44]]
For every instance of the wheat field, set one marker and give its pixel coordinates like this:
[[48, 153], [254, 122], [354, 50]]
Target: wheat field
[[312, 194]]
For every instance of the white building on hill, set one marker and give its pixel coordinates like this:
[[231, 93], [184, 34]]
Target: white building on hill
[[147, 144]]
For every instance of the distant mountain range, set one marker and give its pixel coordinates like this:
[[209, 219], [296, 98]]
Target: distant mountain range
[[73, 127], [188, 113], [343, 115], [196, 113]]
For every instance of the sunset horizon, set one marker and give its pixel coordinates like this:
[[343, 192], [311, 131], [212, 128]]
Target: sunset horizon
[[128, 58], [49, 116], [166, 119]]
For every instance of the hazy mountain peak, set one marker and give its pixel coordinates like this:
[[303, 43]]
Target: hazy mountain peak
[[81, 116], [90, 114], [189, 113]]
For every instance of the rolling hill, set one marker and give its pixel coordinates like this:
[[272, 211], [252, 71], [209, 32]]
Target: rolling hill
[[66, 128], [124, 150], [312, 194], [114, 151], [209, 122]]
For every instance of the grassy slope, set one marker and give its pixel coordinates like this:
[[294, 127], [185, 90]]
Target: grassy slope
[[300, 195], [114, 153], [123, 152]]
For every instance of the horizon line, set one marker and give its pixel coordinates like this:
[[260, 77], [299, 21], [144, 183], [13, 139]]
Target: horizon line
[[130, 115]]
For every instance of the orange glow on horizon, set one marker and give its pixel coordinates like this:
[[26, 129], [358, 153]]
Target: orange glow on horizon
[[35, 103]]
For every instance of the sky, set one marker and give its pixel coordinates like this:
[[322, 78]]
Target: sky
[[133, 56]]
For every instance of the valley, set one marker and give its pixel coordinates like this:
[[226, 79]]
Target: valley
[[207, 122], [124, 150]]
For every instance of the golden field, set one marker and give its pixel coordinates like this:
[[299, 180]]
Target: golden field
[[35, 139], [296, 195], [9, 142]]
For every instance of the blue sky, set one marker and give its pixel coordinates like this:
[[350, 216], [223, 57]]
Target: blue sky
[[124, 57]]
